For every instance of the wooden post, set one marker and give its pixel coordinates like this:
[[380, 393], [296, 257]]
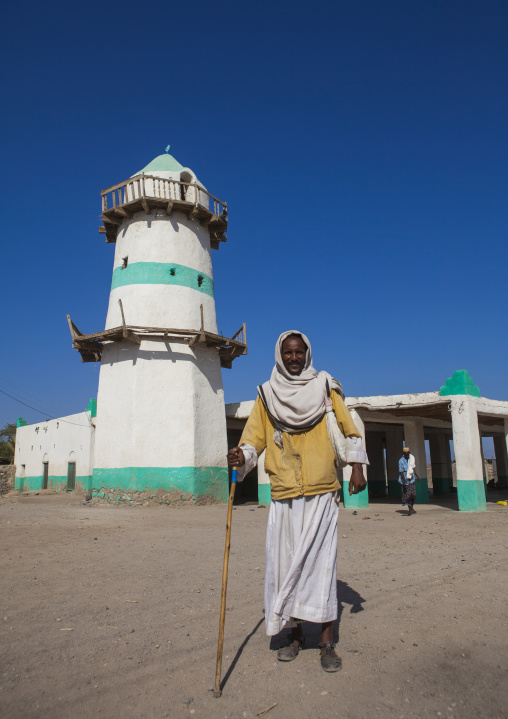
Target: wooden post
[[217, 691]]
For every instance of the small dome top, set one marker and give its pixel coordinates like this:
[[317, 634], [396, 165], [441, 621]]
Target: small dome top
[[165, 163]]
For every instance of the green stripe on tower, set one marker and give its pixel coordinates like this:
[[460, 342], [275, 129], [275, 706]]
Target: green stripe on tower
[[162, 273]]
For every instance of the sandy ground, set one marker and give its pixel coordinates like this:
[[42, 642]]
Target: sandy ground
[[113, 612]]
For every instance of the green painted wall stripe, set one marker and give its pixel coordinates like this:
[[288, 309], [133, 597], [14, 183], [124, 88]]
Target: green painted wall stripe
[[160, 273], [193, 480], [471, 495]]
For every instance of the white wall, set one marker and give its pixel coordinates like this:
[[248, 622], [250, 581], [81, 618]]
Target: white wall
[[160, 405], [162, 239], [58, 442]]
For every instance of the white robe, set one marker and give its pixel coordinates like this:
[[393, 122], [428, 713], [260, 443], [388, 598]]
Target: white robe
[[301, 561]]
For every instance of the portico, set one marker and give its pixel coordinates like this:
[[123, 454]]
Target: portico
[[454, 415]]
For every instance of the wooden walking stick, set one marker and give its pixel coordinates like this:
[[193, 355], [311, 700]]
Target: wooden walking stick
[[217, 691]]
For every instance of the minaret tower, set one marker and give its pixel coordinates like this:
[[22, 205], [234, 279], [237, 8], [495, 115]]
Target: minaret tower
[[160, 407]]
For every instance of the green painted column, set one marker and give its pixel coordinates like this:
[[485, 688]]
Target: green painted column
[[264, 494], [264, 486], [468, 456], [415, 440], [355, 501]]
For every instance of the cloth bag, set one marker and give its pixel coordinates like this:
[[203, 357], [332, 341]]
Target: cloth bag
[[336, 437]]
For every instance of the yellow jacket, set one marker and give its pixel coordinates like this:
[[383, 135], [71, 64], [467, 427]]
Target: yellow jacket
[[306, 464]]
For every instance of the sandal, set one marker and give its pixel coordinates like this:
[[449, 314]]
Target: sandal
[[290, 651], [329, 663]]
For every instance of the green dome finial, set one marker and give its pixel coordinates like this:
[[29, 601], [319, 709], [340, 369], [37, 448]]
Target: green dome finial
[[167, 148]]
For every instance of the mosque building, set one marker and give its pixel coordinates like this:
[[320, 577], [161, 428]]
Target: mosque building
[[159, 427]]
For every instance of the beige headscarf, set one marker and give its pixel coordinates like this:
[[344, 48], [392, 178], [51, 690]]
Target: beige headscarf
[[296, 402]]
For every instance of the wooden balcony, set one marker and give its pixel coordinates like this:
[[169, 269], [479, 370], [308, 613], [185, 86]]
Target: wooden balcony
[[147, 192], [90, 346]]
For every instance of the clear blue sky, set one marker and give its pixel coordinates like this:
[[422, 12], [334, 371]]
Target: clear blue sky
[[361, 147]]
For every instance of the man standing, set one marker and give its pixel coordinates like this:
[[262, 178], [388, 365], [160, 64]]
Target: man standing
[[288, 420], [407, 476]]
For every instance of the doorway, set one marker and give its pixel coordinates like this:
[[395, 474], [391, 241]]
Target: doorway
[[45, 475], [71, 476]]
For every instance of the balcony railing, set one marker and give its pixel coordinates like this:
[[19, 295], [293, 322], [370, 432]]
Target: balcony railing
[[147, 192], [160, 188]]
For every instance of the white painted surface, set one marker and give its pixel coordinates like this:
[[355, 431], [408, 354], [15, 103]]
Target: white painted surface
[[165, 306], [466, 438], [55, 441], [160, 405], [159, 238], [162, 239]]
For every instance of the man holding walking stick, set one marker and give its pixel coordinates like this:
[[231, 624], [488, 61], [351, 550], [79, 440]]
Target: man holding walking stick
[[288, 420]]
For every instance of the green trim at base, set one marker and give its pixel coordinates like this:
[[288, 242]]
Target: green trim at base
[[422, 491], [264, 494], [471, 495], [199, 481], [441, 485], [57, 483], [377, 488], [394, 490], [355, 501]]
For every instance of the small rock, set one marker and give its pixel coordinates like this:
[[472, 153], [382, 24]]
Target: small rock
[[324, 694]]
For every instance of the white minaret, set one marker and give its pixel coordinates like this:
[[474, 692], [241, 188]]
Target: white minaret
[[160, 406]]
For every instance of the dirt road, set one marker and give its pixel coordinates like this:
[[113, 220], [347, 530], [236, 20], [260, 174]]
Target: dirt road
[[113, 612]]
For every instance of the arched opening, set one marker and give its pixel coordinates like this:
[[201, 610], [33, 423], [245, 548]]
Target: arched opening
[[185, 190], [45, 471]]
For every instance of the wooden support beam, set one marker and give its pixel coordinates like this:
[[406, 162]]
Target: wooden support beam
[[169, 207], [123, 316], [131, 337], [146, 206], [122, 211], [205, 221], [111, 219], [192, 214], [74, 330]]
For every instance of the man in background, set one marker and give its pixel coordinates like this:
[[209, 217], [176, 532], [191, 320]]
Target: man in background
[[407, 477]]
